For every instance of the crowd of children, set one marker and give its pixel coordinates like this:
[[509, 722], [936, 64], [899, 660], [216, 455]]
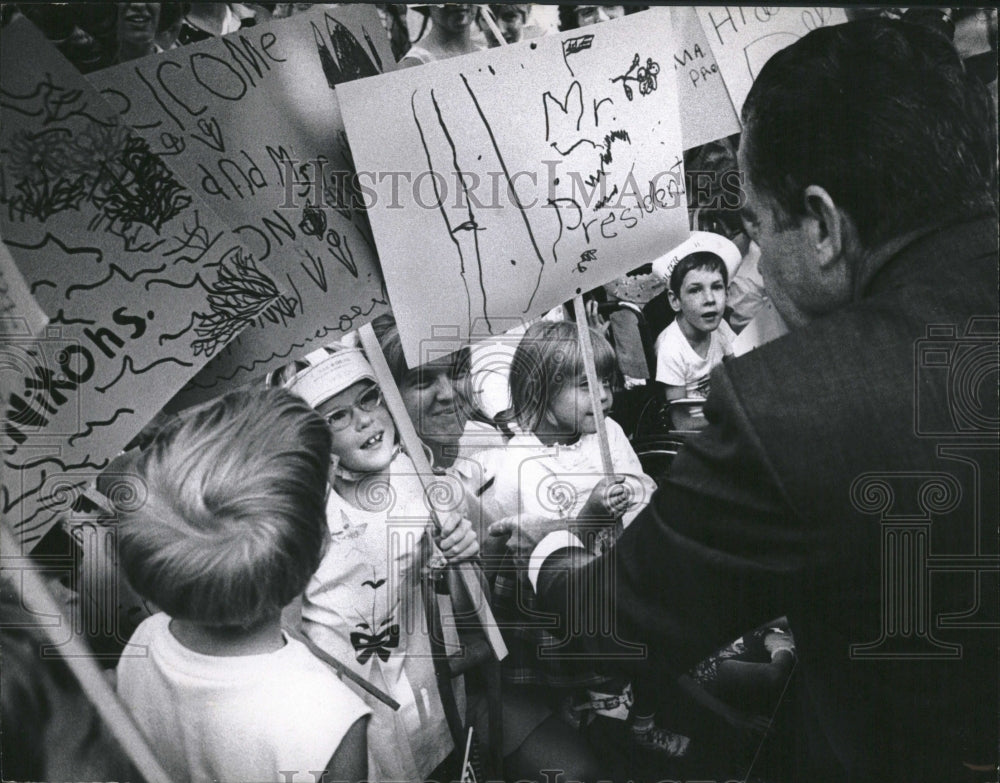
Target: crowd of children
[[290, 518], [285, 527]]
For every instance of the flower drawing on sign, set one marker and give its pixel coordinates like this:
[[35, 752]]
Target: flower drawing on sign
[[647, 76], [643, 75], [37, 156], [96, 151], [241, 295]]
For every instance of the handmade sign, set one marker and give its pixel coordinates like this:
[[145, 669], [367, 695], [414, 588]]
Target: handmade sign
[[500, 183], [706, 111], [141, 281], [743, 38], [251, 123]]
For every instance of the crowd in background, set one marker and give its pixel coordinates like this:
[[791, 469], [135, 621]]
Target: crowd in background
[[95, 35]]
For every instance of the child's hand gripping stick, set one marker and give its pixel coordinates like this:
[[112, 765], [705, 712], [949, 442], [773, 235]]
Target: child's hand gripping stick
[[414, 447]]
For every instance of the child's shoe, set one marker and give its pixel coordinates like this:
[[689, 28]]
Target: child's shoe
[[660, 741]]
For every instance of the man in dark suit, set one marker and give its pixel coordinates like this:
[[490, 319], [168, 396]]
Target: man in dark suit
[[847, 478]]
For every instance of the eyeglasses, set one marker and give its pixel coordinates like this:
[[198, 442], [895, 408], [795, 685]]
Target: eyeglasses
[[368, 400]]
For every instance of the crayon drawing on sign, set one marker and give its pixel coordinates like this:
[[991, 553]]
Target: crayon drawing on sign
[[520, 175], [135, 273]]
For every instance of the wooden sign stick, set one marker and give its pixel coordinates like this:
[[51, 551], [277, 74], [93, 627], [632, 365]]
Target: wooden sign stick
[[590, 368], [415, 449], [35, 596], [491, 22]]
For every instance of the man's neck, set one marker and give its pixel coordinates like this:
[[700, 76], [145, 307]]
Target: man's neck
[[229, 642]]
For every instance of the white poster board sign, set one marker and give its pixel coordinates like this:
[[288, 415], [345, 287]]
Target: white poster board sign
[[706, 111], [743, 38], [501, 183], [250, 122], [141, 282]]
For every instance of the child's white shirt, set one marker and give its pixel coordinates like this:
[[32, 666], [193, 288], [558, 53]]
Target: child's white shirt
[[678, 364], [364, 607], [243, 718], [556, 481]]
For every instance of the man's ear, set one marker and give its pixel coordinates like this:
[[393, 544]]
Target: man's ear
[[675, 302], [825, 224]]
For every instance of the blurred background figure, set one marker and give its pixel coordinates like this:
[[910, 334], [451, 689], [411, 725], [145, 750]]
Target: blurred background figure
[[171, 16], [50, 730], [453, 31], [84, 32], [206, 20], [972, 30], [137, 27], [284, 10], [572, 16], [393, 16], [512, 19]]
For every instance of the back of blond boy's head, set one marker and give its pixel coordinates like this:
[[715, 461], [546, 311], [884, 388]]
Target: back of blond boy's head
[[233, 524]]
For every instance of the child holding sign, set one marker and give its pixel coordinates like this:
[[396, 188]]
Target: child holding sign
[[363, 606], [553, 468], [229, 530]]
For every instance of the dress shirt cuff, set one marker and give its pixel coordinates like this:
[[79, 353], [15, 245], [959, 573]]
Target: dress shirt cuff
[[554, 541]]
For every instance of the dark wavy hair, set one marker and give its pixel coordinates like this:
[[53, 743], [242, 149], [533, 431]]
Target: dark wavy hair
[[882, 114]]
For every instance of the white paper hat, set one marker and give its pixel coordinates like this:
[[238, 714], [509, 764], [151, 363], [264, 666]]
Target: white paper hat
[[700, 242], [331, 370]]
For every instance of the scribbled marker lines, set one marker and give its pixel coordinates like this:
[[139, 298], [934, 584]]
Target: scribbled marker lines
[[510, 189], [128, 365], [112, 270], [597, 107], [92, 424], [564, 153], [441, 209], [167, 336], [197, 281], [563, 105], [574, 45], [470, 224], [62, 246], [60, 319], [39, 283]]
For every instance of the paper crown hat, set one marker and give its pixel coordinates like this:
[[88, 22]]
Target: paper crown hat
[[328, 372], [700, 242]]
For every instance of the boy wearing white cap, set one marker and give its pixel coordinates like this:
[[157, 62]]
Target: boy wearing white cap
[[364, 604], [699, 338]]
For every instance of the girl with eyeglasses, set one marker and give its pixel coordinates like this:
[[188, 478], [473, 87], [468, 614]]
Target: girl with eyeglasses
[[364, 606]]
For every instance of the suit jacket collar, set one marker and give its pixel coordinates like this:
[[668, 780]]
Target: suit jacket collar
[[890, 264]]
